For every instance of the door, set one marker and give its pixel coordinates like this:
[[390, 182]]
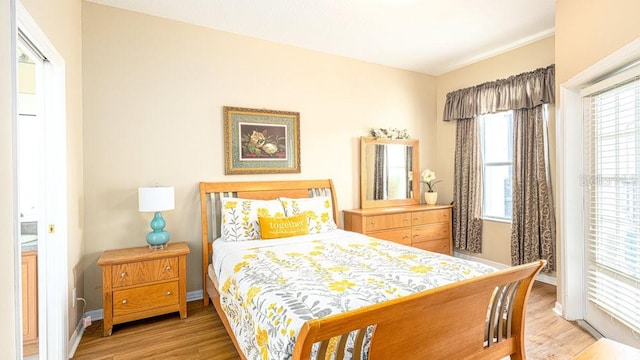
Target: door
[[51, 182]]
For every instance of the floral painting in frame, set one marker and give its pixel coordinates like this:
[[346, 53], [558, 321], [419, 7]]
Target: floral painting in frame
[[258, 141]]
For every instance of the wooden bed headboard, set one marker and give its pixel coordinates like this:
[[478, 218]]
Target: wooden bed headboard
[[260, 190]]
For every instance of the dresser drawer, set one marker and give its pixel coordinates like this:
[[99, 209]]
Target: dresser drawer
[[129, 301], [383, 222], [430, 217], [442, 246], [400, 236], [144, 271], [430, 232]]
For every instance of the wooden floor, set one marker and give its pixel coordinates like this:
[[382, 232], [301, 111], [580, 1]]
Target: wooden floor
[[202, 335]]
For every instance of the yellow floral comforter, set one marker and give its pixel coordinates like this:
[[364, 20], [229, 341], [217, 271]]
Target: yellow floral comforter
[[269, 288]]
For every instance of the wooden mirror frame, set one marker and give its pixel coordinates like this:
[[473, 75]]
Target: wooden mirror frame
[[415, 199]]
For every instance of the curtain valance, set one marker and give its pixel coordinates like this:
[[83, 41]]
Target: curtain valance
[[523, 91]]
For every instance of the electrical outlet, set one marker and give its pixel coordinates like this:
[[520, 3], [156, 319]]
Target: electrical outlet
[[73, 297]]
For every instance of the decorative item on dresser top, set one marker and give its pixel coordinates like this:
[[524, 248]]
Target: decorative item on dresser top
[[428, 177], [140, 282], [427, 227]]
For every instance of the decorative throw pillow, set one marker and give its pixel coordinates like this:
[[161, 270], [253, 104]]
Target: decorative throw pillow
[[281, 227], [318, 209], [240, 217]]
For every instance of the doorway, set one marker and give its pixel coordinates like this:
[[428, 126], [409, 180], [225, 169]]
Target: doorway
[[29, 164], [43, 225]]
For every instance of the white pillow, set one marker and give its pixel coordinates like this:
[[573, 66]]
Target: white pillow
[[318, 209], [240, 217]]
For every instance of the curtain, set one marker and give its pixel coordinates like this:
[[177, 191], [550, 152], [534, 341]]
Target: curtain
[[380, 175], [533, 224], [467, 190], [533, 227], [523, 91]]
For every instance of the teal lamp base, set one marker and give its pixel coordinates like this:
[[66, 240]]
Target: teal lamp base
[[158, 238]]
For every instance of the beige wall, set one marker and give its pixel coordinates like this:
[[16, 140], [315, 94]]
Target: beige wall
[[7, 213], [153, 96], [496, 245], [588, 31], [60, 21]]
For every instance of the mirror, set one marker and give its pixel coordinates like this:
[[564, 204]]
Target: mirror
[[387, 175]]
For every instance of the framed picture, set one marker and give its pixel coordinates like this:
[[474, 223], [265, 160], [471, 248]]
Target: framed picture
[[261, 141]]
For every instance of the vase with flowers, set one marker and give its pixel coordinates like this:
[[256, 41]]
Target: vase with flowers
[[428, 177]]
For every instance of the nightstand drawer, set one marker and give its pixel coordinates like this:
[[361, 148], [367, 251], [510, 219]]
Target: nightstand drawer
[[143, 298], [144, 271]]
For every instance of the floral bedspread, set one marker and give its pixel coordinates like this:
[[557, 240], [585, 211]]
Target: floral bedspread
[[269, 288]]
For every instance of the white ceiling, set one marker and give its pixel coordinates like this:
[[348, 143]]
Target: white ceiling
[[427, 36]]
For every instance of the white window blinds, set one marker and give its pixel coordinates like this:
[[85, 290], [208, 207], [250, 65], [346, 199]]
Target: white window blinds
[[612, 196]]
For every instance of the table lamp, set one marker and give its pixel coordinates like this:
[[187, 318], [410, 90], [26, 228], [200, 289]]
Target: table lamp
[[156, 199]]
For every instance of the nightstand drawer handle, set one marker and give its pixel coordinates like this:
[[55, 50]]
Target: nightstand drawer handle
[[124, 301], [123, 274], [168, 293], [168, 268]]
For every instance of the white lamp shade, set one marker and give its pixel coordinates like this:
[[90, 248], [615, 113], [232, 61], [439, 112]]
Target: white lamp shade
[[159, 198]]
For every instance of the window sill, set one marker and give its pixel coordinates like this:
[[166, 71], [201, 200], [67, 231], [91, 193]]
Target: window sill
[[500, 220]]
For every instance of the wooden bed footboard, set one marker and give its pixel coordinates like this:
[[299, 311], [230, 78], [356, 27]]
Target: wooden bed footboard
[[480, 318]]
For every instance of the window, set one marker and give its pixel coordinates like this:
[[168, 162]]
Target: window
[[496, 141], [612, 198]]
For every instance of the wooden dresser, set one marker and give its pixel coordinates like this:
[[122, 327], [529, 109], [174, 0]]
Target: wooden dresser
[[139, 282], [426, 227]]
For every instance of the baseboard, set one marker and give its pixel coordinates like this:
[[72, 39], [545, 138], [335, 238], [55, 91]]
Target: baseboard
[[545, 278], [98, 314], [194, 295], [590, 329], [74, 341], [558, 309]]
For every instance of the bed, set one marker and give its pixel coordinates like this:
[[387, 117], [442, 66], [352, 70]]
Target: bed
[[418, 305]]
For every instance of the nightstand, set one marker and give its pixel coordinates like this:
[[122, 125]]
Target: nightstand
[[139, 282]]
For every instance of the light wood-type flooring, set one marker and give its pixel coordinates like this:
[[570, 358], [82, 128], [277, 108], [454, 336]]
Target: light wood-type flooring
[[202, 335]]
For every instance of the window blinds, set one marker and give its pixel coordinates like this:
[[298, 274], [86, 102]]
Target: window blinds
[[612, 196]]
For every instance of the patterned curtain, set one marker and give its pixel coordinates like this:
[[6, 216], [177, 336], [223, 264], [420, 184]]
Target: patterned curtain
[[533, 225], [467, 189]]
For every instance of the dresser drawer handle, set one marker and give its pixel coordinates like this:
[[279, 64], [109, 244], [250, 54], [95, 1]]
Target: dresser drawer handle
[[405, 219], [124, 301], [416, 218], [168, 293], [405, 237], [373, 222], [168, 268], [123, 274]]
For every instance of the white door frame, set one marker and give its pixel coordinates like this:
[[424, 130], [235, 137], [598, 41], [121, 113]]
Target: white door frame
[[53, 319], [571, 180]]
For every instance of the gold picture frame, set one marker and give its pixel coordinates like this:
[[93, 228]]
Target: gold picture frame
[[258, 141]]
